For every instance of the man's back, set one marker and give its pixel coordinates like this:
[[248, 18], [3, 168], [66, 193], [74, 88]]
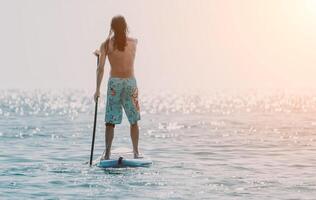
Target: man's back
[[122, 62]]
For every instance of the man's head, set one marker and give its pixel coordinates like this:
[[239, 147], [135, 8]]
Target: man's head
[[119, 27]]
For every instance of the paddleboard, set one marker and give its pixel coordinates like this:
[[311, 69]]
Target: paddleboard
[[124, 158]]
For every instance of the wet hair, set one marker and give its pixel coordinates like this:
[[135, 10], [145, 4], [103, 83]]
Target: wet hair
[[119, 27]]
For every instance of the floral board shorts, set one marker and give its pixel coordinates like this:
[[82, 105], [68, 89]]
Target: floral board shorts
[[122, 92]]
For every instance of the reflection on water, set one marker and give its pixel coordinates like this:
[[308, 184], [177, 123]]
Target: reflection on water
[[242, 145]]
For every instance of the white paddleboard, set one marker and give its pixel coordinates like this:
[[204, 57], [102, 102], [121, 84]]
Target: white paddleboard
[[123, 157]]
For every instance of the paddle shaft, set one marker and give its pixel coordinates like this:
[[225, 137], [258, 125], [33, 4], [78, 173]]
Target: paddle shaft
[[94, 124]]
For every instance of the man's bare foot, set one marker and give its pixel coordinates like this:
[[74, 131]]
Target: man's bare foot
[[138, 156], [105, 156]]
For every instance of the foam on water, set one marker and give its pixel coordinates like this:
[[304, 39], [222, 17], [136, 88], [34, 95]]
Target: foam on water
[[250, 145]]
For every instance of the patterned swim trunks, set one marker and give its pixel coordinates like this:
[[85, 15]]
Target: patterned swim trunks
[[122, 92]]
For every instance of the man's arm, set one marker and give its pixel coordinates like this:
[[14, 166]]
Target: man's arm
[[100, 70]]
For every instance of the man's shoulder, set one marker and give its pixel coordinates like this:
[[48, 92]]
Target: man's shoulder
[[104, 45]]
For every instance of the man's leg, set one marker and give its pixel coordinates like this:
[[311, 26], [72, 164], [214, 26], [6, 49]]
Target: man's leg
[[131, 107], [109, 134], [135, 137]]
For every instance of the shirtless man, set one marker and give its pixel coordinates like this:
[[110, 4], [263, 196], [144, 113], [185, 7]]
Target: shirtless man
[[122, 88]]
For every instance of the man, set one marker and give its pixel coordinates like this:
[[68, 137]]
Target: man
[[122, 87]]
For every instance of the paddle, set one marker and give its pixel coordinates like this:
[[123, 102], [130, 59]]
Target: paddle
[[95, 122]]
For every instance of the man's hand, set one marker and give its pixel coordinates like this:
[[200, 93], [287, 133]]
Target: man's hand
[[97, 52], [96, 95]]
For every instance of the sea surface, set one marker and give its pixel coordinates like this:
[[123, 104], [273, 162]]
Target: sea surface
[[204, 145]]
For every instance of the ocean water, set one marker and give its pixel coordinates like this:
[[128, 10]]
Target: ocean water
[[215, 145]]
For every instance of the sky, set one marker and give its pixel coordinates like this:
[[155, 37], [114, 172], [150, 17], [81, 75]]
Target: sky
[[182, 44]]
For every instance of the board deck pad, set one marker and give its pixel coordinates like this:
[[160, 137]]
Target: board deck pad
[[123, 157]]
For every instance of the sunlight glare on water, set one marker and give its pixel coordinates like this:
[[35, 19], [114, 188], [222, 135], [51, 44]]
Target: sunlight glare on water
[[220, 145]]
